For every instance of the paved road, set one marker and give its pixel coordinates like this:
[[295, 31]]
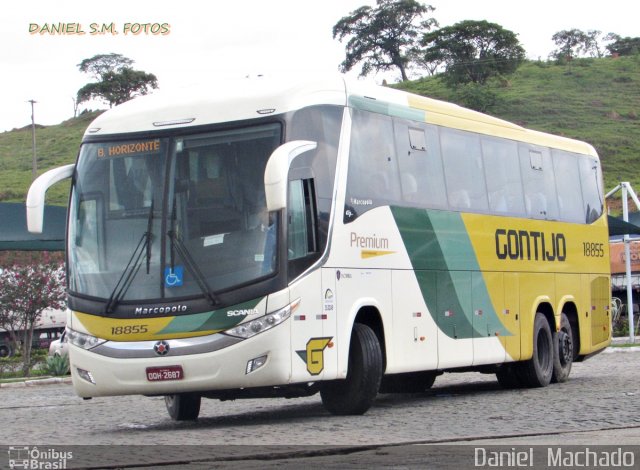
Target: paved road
[[598, 405]]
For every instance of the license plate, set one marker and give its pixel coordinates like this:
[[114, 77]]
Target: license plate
[[155, 374]]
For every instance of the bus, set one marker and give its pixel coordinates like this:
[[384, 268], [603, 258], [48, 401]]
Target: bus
[[280, 238]]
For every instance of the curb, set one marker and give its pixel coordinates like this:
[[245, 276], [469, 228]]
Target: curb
[[36, 382]]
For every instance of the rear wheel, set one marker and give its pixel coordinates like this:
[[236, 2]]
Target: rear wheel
[[183, 406], [563, 349], [537, 371], [355, 394]]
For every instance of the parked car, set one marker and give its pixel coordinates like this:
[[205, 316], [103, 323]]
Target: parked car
[[59, 347]]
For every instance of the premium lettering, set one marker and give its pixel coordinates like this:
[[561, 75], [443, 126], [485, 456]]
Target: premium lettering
[[376, 243], [530, 245]]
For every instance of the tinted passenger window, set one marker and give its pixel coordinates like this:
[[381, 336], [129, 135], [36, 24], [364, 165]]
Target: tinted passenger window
[[502, 169], [590, 178], [373, 172], [421, 174], [570, 204], [463, 170], [538, 181]]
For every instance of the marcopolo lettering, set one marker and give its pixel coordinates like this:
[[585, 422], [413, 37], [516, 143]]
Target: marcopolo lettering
[[530, 245], [160, 310]]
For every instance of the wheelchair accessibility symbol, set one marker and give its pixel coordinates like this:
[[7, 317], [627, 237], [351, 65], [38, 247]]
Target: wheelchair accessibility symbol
[[173, 277]]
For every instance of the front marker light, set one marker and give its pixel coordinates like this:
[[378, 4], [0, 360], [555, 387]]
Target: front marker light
[[83, 340], [86, 375], [264, 323]]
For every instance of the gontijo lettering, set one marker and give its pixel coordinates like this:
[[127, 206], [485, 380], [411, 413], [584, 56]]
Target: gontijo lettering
[[130, 148], [530, 245]]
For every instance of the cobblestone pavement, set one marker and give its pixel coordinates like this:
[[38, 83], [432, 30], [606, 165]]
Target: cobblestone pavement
[[602, 395]]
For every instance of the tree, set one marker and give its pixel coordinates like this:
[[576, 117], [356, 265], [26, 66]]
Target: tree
[[385, 37], [623, 46], [473, 51], [569, 42], [116, 81], [26, 290]]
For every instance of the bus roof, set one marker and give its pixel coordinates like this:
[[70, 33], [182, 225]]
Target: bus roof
[[249, 98]]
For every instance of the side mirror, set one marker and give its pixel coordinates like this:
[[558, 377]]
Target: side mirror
[[37, 191], [277, 170]]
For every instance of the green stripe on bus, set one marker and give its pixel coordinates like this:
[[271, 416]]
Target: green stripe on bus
[[448, 273], [215, 320]]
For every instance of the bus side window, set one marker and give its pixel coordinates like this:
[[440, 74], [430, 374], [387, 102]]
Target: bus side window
[[565, 165], [301, 220], [420, 165], [590, 179], [373, 178], [463, 170], [504, 185], [541, 201]]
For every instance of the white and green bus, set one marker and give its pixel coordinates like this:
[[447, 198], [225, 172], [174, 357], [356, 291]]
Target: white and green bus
[[274, 239]]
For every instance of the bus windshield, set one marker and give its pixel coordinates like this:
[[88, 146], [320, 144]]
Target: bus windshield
[[168, 218]]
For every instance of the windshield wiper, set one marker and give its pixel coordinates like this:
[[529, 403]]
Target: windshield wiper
[[192, 267], [133, 265]]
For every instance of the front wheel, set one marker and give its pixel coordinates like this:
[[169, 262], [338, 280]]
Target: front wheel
[[537, 371], [355, 394], [563, 351], [183, 406]]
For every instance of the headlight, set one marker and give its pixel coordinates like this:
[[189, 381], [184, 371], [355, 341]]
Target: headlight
[[253, 327], [83, 340]]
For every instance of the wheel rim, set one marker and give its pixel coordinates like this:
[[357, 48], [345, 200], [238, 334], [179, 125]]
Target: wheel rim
[[566, 347]]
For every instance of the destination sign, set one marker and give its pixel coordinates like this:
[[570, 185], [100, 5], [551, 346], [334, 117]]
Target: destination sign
[[131, 148]]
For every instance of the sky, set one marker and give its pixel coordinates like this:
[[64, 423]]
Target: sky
[[221, 39]]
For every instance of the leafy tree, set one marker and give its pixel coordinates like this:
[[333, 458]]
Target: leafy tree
[[570, 43], [116, 81], [26, 290], [473, 51], [385, 37], [623, 46]]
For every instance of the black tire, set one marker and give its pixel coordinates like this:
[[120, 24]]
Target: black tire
[[355, 394], [183, 406], [563, 351], [5, 351], [508, 376], [412, 382], [537, 371]]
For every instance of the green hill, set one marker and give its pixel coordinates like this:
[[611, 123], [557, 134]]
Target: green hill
[[595, 100], [55, 146]]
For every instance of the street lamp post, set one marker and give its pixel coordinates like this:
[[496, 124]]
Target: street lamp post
[[34, 161]]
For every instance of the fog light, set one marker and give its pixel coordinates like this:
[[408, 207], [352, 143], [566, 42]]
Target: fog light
[[86, 375], [255, 364]]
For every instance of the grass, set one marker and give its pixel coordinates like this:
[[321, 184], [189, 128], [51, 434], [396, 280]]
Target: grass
[[55, 145]]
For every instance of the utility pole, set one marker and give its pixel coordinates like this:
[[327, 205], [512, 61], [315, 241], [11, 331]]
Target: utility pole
[[34, 161]]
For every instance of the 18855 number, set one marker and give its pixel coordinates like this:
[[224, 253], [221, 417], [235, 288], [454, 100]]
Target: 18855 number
[[129, 330], [594, 250]]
